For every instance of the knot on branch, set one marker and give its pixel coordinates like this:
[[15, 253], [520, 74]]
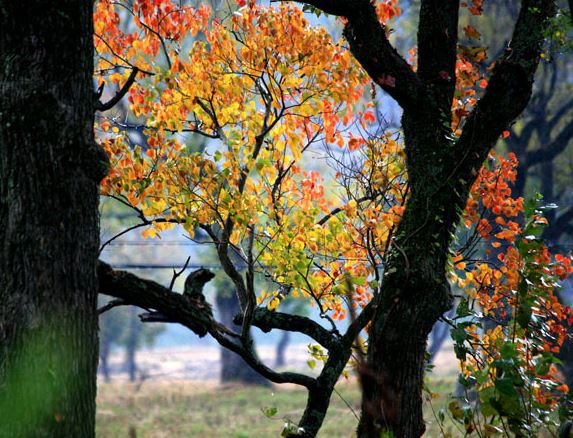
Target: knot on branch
[[191, 311]]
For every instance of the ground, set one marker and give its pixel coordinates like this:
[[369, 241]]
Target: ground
[[181, 397]]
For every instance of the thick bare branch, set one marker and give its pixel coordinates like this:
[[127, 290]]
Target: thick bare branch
[[267, 321], [358, 324], [148, 294], [257, 365], [509, 88], [553, 149], [177, 308], [370, 46], [560, 114]]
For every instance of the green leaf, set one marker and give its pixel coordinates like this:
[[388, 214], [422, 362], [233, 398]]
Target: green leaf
[[463, 308], [505, 387], [270, 411]]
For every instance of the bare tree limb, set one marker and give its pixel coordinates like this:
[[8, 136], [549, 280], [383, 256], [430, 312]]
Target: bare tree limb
[[509, 88], [178, 308], [266, 321], [119, 95], [144, 223], [110, 305], [177, 274], [337, 210], [561, 112], [148, 294], [553, 149], [257, 365], [370, 46]]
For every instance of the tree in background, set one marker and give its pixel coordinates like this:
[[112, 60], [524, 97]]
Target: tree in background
[[120, 328]]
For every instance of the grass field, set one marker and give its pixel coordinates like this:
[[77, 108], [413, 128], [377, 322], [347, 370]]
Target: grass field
[[207, 410]]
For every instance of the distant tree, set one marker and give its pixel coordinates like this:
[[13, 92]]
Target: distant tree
[[120, 328]]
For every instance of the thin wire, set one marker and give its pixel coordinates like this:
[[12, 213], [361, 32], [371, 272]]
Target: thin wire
[[149, 266], [162, 243]]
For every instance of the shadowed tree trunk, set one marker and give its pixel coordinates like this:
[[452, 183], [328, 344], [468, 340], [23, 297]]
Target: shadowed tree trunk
[[105, 349], [50, 169], [132, 344], [233, 367]]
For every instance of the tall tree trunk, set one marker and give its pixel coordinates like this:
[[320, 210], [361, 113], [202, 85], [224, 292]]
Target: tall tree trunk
[[441, 170], [233, 367], [414, 295], [50, 168]]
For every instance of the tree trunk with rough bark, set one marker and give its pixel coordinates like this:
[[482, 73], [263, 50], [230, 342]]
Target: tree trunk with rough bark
[[415, 292], [50, 169], [441, 170]]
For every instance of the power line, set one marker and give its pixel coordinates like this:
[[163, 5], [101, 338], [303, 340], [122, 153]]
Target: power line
[[151, 244], [165, 266]]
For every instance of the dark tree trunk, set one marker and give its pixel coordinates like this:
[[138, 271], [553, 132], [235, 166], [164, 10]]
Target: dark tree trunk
[[131, 344], [50, 168], [281, 349], [233, 367], [441, 170], [415, 294]]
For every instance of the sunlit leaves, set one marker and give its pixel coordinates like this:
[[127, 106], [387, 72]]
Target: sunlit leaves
[[266, 87], [509, 324]]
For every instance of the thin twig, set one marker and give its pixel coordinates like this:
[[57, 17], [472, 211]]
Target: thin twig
[[177, 274], [348, 405], [120, 94], [111, 305]]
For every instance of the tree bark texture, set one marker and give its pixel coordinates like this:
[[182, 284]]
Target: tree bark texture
[[50, 168]]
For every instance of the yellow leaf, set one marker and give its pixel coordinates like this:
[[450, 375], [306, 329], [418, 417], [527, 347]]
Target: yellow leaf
[[149, 233]]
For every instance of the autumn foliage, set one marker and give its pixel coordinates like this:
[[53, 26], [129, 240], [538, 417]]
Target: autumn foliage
[[300, 180]]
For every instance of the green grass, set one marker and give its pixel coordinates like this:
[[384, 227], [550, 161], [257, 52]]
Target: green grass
[[191, 409]]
